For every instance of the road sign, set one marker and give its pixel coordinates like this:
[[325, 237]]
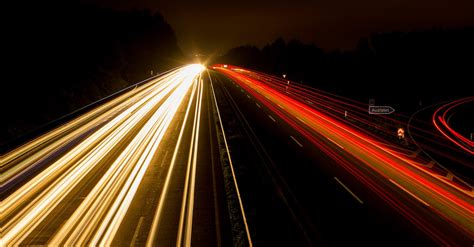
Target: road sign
[[401, 133], [380, 109]]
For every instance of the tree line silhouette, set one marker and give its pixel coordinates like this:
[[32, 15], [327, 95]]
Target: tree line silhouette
[[67, 55], [403, 69]]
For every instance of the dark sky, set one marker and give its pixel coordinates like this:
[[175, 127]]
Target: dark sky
[[216, 26]]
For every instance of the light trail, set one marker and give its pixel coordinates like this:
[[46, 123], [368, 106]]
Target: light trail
[[441, 123], [151, 240], [451, 202], [142, 116], [26, 157], [187, 206]]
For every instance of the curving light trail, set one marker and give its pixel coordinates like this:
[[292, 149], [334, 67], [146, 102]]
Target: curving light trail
[[442, 124]]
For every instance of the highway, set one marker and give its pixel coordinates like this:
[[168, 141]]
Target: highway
[[227, 156], [141, 169], [337, 180]]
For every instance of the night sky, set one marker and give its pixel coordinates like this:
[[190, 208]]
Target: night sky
[[215, 26]]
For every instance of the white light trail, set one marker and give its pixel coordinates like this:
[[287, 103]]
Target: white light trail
[[148, 112]]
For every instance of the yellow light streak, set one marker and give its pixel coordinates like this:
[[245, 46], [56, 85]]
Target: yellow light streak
[[98, 217]]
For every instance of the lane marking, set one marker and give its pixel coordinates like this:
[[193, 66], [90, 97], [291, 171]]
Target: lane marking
[[309, 102], [414, 196], [335, 142], [281, 106], [348, 190], [137, 230], [272, 118], [242, 90], [297, 142], [248, 96], [258, 105], [164, 158]]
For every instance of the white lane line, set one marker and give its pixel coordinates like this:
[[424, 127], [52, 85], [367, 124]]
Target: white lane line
[[348, 190], [258, 105], [416, 197], [137, 230], [272, 118], [309, 102], [242, 90], [335, 142], [297, 142], [248, 96], [164, 158]]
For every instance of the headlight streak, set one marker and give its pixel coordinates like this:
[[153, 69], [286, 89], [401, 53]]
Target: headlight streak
[[158, 212], [24, 158], [451, 203], [140, 162], [187, 206], [99, 215], [123, 125]]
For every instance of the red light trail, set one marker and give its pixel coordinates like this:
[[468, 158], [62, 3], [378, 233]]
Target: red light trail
[[314, 114], [441, 123]]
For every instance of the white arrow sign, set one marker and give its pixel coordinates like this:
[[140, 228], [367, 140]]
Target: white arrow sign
[[380, 109]]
